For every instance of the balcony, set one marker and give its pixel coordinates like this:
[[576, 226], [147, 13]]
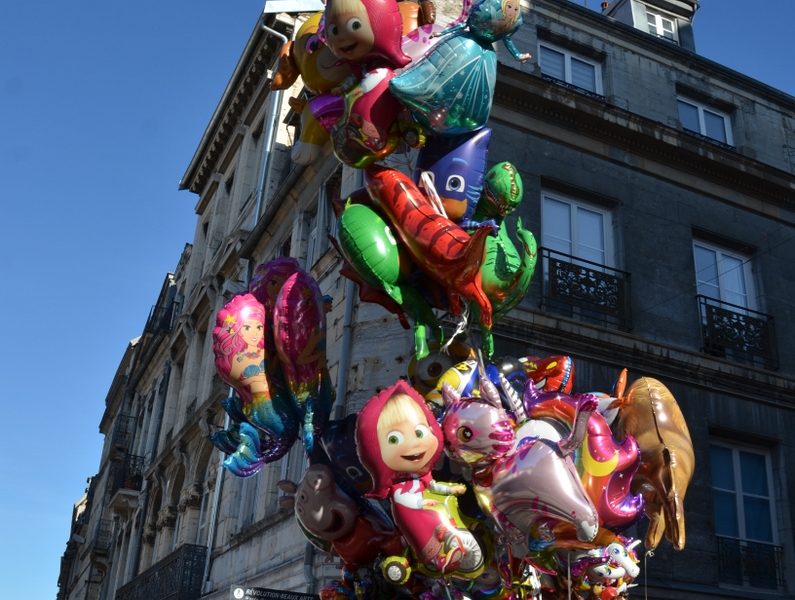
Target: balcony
[[177, 577], [585, 290], [737, 333], [750, 564], [124, 484], [161, 318]]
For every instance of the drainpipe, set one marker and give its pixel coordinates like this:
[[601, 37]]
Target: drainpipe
[[347, 336], [268, 132], [213, 521], [345, 350], [265, 168]]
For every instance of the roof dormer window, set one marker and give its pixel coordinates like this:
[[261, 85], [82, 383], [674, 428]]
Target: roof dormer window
[[661, 25]]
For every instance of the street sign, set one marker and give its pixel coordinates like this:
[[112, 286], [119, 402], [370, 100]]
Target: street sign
[[293, 6], [244, 592]]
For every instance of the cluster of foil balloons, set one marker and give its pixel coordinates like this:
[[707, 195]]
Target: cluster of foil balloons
[[466, 480], [472, 478], [383, 77]]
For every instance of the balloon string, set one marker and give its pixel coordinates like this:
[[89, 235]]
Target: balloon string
[[460, 328], [568, 571], [430, 191], [646, 556]]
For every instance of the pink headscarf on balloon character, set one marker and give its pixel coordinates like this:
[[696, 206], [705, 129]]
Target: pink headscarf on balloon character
[[368, 445], [365, 32], [399, 441]]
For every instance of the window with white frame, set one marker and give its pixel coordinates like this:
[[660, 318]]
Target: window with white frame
[[661, 24], [574, 227], [572, 68], [744, 510], [741, 491], [724, 275], [705, 120], [322, 222]]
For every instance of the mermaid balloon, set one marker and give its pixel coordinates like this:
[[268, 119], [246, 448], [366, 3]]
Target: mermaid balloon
[[299, 327], [451, 89], [241, 361]]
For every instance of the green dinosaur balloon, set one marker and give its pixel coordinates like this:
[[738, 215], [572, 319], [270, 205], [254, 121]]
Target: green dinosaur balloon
[[506, 272]]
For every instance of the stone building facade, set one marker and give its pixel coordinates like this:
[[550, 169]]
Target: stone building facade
[[661, 188]]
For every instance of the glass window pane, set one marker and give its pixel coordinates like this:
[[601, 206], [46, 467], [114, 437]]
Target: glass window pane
[[725, 513], [753, 467], [553, 63], [688, 115], [706, 271], [720, 460], [732, 280], [590, 236], [556, 226], [757, 519], [714, 126], [583, 74]]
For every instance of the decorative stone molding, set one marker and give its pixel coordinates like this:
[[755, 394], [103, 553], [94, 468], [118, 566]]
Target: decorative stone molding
[[212, 473], [190, 497], [150, 532], [167, 517]]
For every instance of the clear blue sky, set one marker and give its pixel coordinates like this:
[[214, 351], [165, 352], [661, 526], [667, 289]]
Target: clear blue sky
[[102, 105]]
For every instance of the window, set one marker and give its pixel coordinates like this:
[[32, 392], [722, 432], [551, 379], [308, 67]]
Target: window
[[723, 275], [323, 222], [204, 516], [731, 327], [576, 228], [249, 490], [705, 120], [661, 25], [744, 514], [565, 66], [576, 252]]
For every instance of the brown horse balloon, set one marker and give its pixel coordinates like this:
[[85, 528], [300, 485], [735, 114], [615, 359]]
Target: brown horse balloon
[[650, 413]]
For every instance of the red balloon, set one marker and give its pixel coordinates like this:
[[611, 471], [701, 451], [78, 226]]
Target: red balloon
[[442, 249]]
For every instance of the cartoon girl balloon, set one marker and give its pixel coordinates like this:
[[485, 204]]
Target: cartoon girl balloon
[[398, 442], [240, 359], [362, 122]]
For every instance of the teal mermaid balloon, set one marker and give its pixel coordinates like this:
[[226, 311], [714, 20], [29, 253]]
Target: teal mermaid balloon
[[450, 89]]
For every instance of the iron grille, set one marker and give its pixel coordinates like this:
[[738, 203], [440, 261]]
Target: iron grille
[[161, 318], [586, 290], [177, 577], [128, 475], [571, 86], [737, 333], [751, 564]]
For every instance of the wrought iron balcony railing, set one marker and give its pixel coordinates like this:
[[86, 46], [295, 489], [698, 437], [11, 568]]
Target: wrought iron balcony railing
[[161, 318], [177, 577], [585, 290], [571, 86], [751, 564], [123, 431], [128, 475], [737, 333]]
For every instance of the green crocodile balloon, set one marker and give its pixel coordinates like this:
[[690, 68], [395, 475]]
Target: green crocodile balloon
[[506, 272]]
